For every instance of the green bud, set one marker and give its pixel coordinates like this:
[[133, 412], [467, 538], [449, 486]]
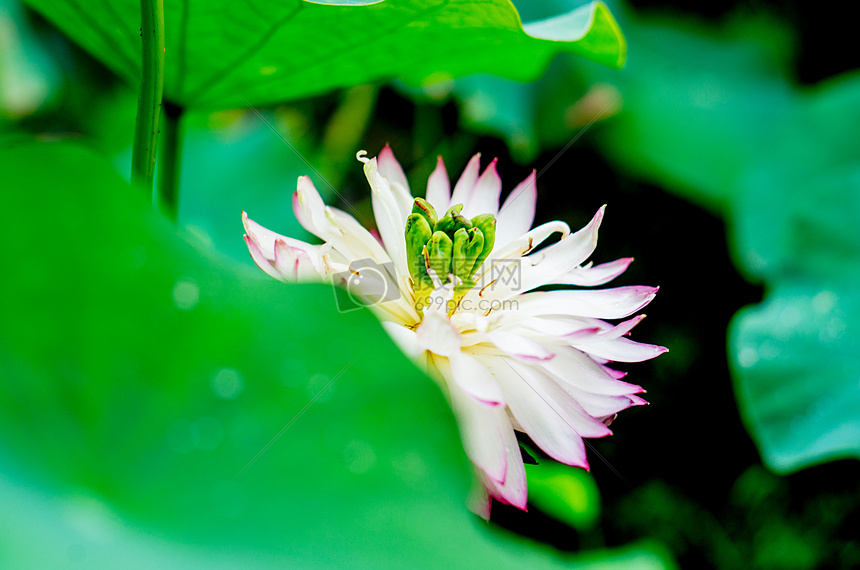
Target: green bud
[[468, 245], [487, 224], [417, 235], [440, 248], [452, 221], [423, 207]]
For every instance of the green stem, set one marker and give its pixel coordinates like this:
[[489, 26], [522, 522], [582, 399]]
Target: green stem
[[151, 89], [169, 160]]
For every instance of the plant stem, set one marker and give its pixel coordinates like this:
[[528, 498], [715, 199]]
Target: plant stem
[[169, 160], [151, 89]]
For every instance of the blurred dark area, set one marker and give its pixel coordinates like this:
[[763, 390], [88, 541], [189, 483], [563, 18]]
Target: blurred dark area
[[820, 37]]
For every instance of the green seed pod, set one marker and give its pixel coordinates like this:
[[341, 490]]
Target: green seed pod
[[423, 207], [487, 224], [440, 249], [417, 235], [452, 221], [468, 245]]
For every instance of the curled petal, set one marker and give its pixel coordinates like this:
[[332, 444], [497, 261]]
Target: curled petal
[[390, 219], [547, 265]]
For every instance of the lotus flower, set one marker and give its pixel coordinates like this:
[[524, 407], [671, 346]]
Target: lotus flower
[[451, 276]]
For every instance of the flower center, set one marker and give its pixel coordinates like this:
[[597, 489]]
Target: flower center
[[451, 248]]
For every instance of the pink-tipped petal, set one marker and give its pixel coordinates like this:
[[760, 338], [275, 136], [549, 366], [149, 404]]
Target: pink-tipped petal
[[484, 198], [518, 212], [464, 186], [390, 168], [513, 490], [623, 350], [293, 263], [637, 401], [439, 188], [597, 275], [550, 416], [616, 374], [572, 367], [260, 259]]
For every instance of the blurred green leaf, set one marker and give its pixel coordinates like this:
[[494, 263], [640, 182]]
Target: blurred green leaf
[[149, 394], [796, 361], [566, 493], [237, 54], [797, 356], [700, 104]]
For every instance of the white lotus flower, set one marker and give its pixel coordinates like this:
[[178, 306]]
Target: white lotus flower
[[456, 295]]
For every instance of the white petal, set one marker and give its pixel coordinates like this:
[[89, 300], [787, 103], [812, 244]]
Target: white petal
[[391, 169], [404, 338], [548, 414], [390, 221], [597, 275], [572, 367], [483, 429], [614, 303], [518, 212], [438, 335], [479, 499], [475, 379], [598, 405], [439, 188], [513, 491], [548, 264], [464, 186], [484, 198], [519, 346]]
